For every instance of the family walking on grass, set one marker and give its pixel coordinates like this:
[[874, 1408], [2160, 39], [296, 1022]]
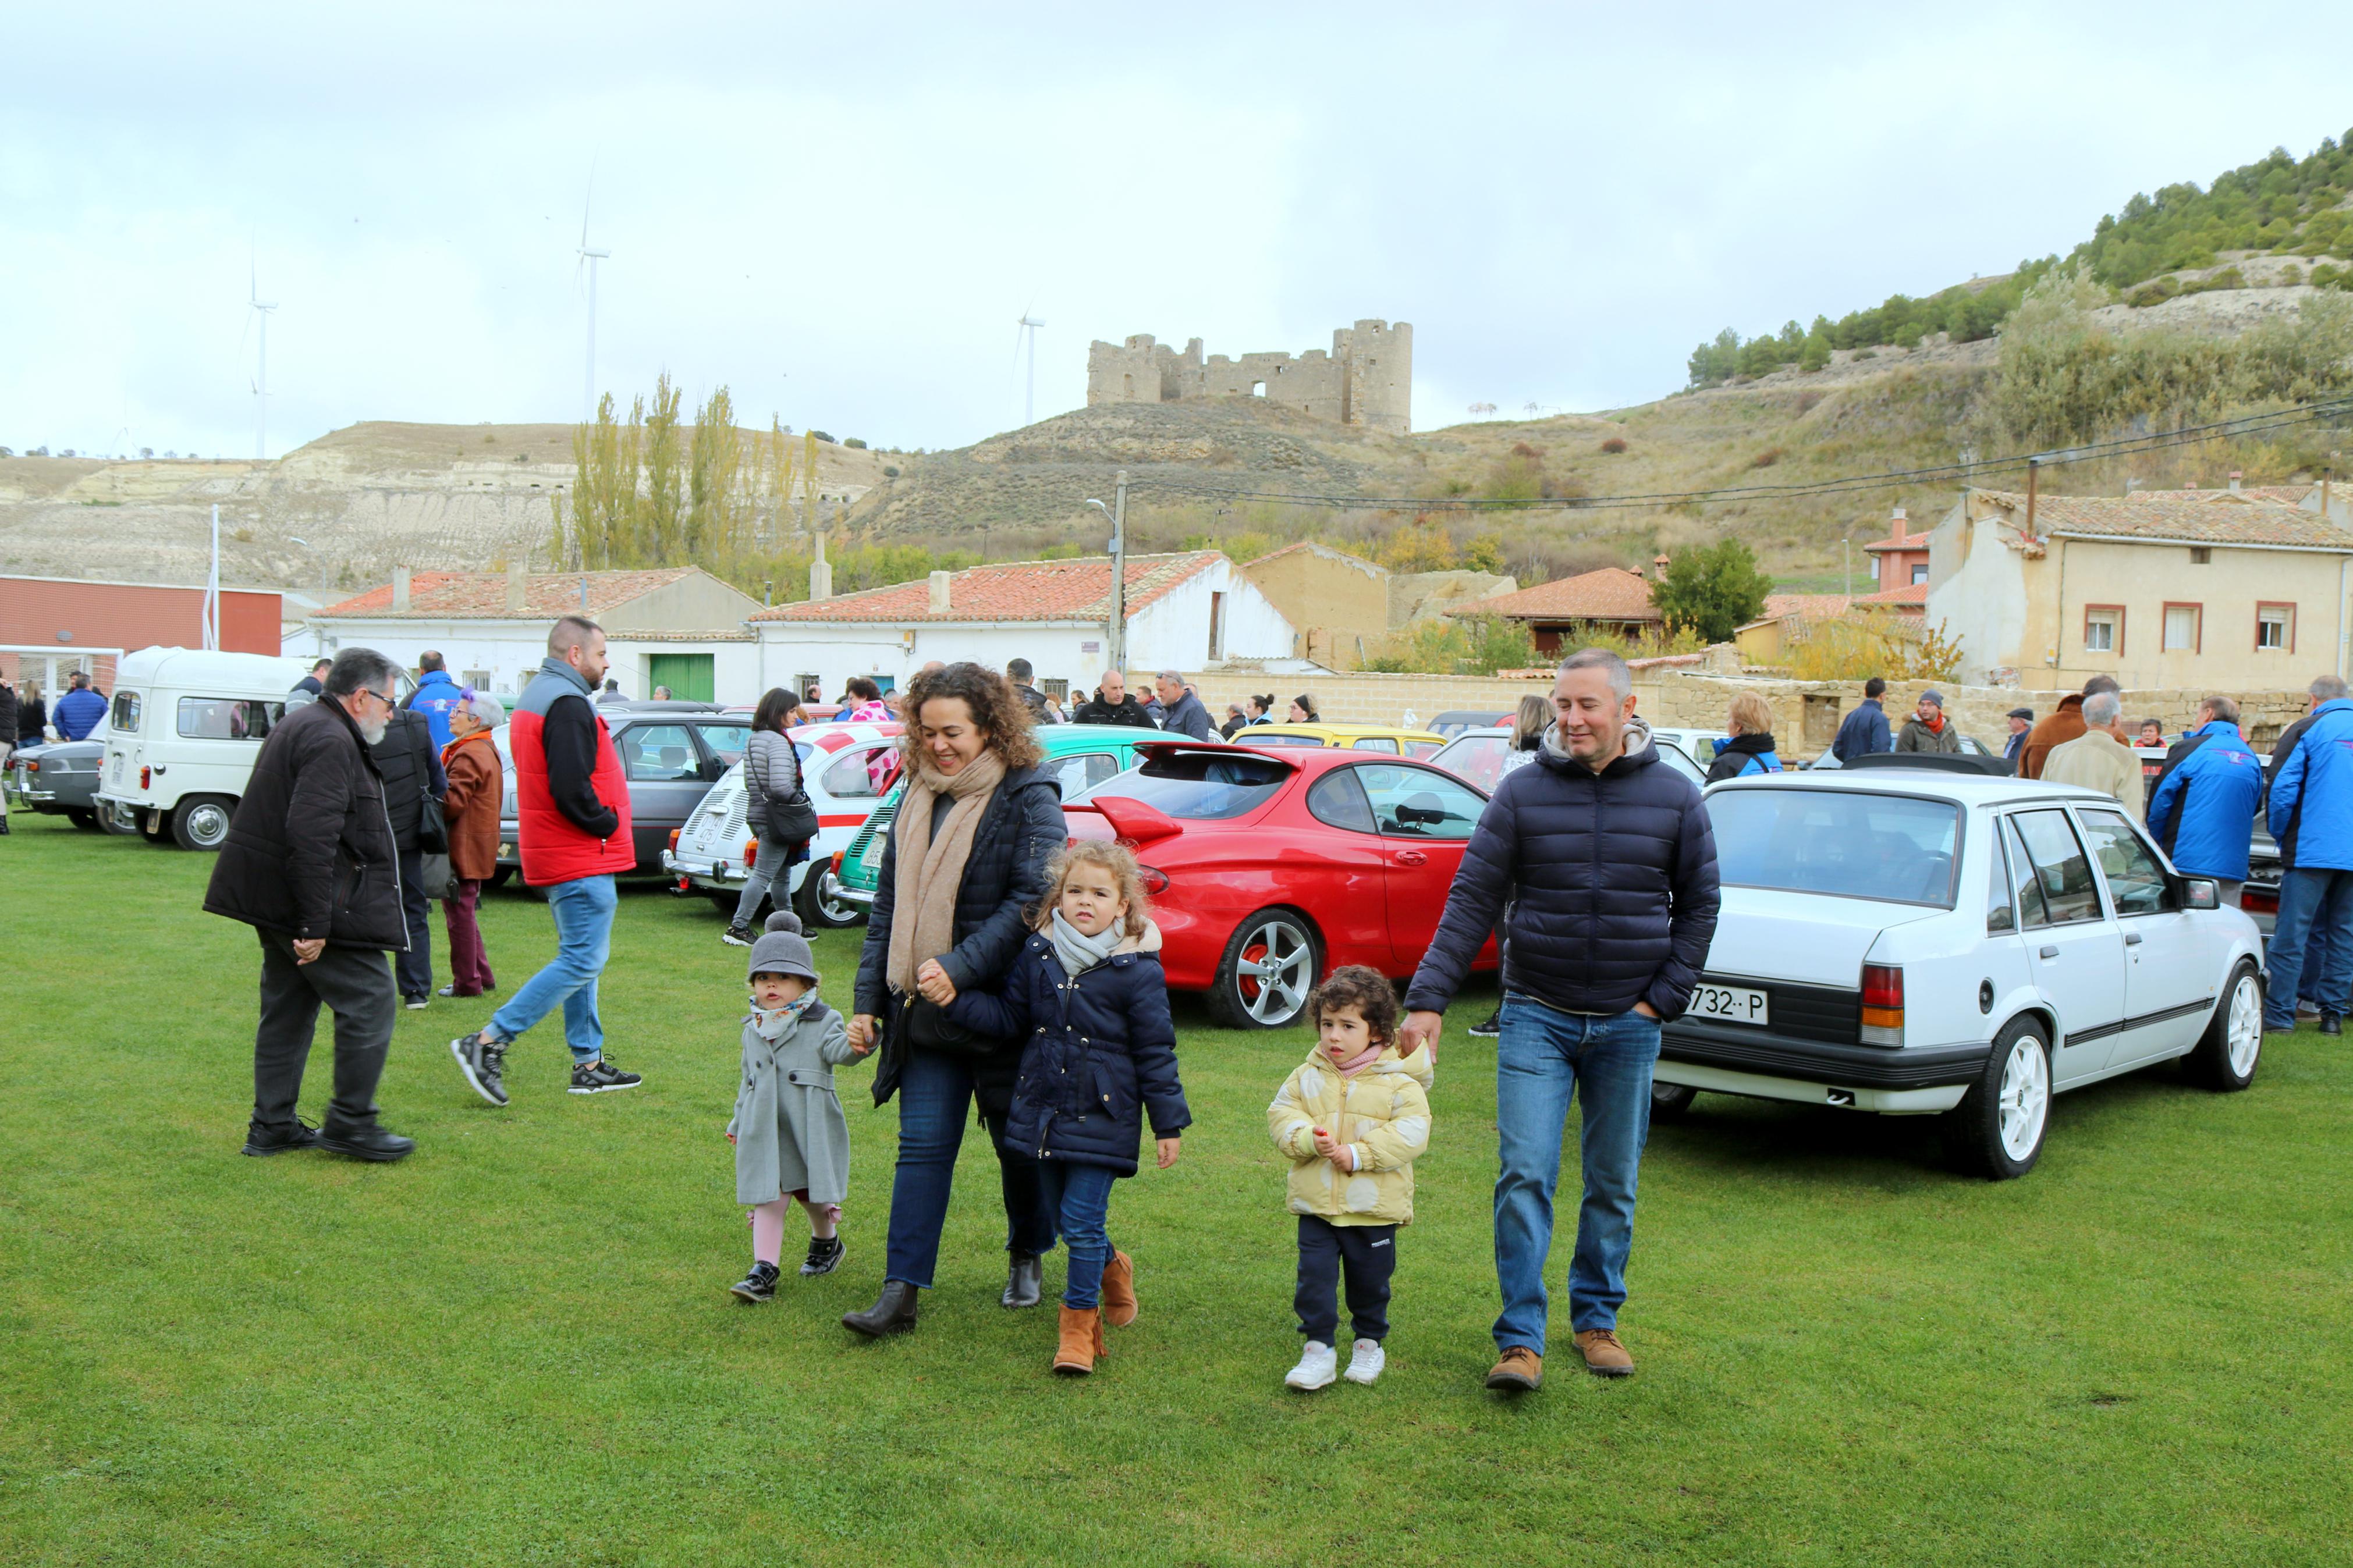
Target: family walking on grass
[[1009, 969]]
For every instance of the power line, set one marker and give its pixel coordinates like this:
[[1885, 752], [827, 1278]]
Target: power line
[[2250, 424]]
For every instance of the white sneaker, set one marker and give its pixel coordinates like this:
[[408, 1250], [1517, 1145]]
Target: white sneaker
[[1365, 1359], [1318, 1365]]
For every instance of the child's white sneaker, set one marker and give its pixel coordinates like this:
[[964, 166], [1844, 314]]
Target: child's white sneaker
[[1318, 1365], [1365, 1359]]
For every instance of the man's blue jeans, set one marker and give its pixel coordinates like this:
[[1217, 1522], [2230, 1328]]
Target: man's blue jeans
[[1079, 1197], [2311, 903], [1543, 1060], [936, 1091], [583, 936]]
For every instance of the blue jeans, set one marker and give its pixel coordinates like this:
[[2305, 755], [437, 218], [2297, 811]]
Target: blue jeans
[[934, 1093], [1079, 1197], [1543, 1058], [2315, 905], [583, 936]]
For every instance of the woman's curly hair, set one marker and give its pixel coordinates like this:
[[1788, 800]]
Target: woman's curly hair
[[1002, 718]]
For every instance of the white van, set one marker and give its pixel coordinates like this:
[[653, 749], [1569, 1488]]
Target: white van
[[181, 737]]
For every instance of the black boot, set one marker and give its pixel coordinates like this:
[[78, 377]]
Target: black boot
[[370, 1143], [2330, 1024], [892, 1314], [1023, 1280]]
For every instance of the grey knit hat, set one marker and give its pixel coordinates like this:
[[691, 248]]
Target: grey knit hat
[[1933, 696], [783, 950]]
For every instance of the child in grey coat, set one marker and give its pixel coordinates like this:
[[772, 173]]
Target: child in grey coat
[[791, 1140]]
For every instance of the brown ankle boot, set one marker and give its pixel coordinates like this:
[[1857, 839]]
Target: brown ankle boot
[[1119, 1290], [1082, 1340]]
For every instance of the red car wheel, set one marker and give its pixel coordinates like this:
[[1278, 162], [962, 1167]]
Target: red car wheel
[[1268, 969]]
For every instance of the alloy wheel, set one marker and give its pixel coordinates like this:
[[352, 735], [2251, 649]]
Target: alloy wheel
[[2246, 1025], [2025, 1096], [1276, 969]]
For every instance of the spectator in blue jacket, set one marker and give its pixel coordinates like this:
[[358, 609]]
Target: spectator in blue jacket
[[2311, 816], [1607, 856], [437, 697], [78, 712], [1865, 732], [2204, 810]]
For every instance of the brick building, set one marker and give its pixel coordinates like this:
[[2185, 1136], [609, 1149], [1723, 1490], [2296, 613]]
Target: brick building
[[48, 624]]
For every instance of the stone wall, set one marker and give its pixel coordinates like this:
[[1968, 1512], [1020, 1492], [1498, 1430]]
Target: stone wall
[[1365, 379]]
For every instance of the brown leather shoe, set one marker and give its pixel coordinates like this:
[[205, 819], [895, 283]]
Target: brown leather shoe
[[1081, 1331], [1521, 1370], [1604, 1357], [1119, 1290]]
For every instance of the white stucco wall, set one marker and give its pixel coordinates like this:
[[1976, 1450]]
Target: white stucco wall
[[511, 650], [1173, 632], [1979, 595]]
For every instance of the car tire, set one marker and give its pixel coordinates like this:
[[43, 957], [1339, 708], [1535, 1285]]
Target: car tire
[[109, 823], [1997, 1131], [200, 822], [1269, 964], [83, 817], [2227, 1054], [1671, 1101], [818, 902]]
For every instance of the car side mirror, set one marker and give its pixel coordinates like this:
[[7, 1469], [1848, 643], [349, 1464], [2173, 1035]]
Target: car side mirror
[[2201, 893]]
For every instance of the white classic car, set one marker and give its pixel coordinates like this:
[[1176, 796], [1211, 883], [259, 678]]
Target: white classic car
[[1912, 942], [846, 770]]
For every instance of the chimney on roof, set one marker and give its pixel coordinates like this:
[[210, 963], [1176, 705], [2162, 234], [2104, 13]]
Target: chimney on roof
[[2234, 479], [514, 587], [939, 592], [1659, 565], [400, 589]]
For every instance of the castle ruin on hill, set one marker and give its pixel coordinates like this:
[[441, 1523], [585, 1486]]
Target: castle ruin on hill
[[1366, 380]]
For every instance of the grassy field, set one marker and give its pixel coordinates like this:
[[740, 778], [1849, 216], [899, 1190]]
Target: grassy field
[[516, 1347]]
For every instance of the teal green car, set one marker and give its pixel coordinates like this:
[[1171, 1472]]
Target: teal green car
[[1077, 756]]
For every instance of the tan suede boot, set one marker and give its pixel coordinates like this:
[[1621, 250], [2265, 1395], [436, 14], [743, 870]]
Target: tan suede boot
[[1604, 1357], [1119, 1290], [1519, 1370], [1082, 1340]]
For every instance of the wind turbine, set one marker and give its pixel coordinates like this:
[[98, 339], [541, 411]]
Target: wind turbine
[[588, 259], [1028, 329], [261, 308]]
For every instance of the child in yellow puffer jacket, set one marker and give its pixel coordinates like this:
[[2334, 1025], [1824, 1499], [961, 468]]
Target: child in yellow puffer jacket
[[1352, 1119]]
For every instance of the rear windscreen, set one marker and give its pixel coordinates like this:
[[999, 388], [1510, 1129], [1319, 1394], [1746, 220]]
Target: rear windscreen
[[1857, 846], [1197, 786]]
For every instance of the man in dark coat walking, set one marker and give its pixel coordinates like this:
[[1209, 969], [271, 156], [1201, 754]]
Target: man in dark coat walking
[[310, 864], [1114, 704], [411, 767], [1181, 712], [1610, 866], [1865, 730]]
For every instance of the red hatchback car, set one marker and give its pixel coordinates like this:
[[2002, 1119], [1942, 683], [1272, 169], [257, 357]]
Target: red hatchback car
[[1269, 868]]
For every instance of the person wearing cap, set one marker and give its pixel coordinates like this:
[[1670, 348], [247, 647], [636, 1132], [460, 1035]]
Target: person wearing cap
[[2022, 721], [792, 1142], [1928, 731], [2098, 758]]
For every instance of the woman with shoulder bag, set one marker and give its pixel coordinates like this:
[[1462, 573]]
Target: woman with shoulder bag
[[775, 806], [477, 785], [964, 867]]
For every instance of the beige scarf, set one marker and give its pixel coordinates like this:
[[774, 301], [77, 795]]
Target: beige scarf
[[923, 916]]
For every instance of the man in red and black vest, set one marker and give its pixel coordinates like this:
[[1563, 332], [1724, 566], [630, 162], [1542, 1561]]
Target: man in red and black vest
[[572, 810]]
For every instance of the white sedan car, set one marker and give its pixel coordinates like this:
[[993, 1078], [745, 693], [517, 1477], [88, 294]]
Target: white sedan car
[[1914, 942], [846, 770]]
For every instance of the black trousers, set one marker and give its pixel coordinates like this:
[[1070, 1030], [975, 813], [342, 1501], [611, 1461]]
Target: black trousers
[[351, 981], [414, 967], [1365, 1257]]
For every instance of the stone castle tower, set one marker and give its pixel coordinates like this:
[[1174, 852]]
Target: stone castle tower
[[1367, 379]]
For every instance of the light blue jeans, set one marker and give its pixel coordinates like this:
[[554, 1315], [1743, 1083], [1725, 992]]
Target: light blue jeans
[[1079, 1198], [2316, 913], [584, 937], [1542, 1061]]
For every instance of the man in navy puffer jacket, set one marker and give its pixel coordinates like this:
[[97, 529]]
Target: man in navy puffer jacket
[[2203, 808], [1611, 866]]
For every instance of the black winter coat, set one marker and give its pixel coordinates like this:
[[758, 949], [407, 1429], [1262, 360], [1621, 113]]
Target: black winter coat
[[410, 765], [309, 852], [1004, 879], [1612, 881], [8, 717], [1126, 710], [1732, 757], [1098, 1054]]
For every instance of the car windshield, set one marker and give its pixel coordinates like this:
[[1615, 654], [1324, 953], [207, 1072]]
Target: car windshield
[[1844, 842], [1197, 786]]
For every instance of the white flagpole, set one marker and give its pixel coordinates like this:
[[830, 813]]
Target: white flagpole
[[212, 590]]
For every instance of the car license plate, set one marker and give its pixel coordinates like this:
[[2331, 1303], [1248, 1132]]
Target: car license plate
[[871, 857], [1728, 1004]]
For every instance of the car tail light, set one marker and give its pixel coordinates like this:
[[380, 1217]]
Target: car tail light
[[2251, 901], [1883, 1005], [146, 777], [836, 860], [673, 838], [33, 764], [1155, 883], [751, 853]]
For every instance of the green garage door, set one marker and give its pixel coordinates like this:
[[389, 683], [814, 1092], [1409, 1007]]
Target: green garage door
[[688, 676]]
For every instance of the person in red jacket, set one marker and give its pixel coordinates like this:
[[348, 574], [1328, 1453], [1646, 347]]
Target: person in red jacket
[[572, 811]]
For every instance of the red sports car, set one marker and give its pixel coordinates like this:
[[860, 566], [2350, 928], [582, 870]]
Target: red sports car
[[1269, 867]]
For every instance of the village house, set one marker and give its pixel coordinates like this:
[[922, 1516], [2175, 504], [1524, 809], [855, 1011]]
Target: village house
[[1615, 599], [2223, 590], [1194, 611], [1337, 604], [677, 627]]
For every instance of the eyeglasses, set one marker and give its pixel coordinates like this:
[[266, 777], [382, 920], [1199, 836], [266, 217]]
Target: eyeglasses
[[380, 697]]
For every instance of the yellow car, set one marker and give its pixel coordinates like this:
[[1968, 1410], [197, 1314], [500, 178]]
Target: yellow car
[[1385, 738]]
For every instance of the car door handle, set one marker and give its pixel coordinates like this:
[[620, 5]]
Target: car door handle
[[1412, 858], [2050, 952], [2132, 939]]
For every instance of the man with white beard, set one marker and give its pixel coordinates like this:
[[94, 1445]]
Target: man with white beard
[[310, 863]]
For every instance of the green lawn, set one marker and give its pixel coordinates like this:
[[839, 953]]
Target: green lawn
[[517, 1346]]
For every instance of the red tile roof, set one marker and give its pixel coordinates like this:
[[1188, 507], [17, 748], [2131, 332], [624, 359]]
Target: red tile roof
[[1076, 590], [1612, 594], [1909, 594], [2200, 517], [482, 595], [1908, 542], [1805, 606], [1312, 544]]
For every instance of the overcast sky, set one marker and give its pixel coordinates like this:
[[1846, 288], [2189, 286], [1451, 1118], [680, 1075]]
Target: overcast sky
[[841, 212]]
